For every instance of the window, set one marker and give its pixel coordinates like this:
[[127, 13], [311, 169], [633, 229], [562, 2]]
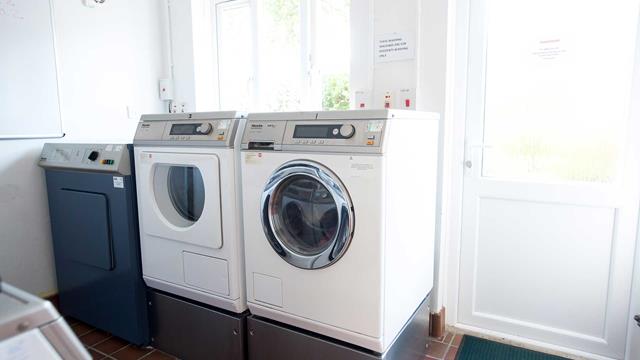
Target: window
[[557, 89], [277, 55]]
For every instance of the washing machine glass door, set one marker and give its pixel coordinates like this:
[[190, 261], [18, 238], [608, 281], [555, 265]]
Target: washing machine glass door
[[307, 215]]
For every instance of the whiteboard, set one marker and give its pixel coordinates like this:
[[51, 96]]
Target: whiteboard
[[29, 92]]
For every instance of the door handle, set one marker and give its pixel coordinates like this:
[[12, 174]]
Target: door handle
[[469, 149], [637, 319]]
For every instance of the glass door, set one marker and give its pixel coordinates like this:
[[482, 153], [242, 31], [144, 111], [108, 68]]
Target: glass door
[[180, 197], [307, 215], [183, 186], [551, 187]]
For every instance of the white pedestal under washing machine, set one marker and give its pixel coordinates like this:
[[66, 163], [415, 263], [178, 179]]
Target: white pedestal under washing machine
[[190, 206], [339, 220]]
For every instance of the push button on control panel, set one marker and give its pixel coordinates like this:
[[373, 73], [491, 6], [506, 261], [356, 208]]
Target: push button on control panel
[[93, 155]]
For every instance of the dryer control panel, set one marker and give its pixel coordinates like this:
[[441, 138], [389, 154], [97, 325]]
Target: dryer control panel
[[111, 158], [210, 129]]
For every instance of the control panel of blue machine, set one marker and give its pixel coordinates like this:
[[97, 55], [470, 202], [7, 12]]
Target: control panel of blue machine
[[90, 157]]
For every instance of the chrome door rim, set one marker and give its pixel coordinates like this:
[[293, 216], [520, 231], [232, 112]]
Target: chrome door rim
[[344, 234]]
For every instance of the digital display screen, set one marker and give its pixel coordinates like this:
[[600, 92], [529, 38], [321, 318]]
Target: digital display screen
[[313, 131], [183, 129]]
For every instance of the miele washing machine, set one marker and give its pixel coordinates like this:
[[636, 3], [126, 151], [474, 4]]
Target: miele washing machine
[[339, 223], [189, 200]]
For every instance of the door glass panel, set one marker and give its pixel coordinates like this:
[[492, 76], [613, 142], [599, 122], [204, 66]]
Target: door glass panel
[[558, 80], [306, 215], [186, 191]]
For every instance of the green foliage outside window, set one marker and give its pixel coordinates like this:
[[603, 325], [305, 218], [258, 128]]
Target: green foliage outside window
[[335, 94]]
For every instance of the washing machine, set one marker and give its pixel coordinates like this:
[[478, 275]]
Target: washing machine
[[187, 167], [339, 220]]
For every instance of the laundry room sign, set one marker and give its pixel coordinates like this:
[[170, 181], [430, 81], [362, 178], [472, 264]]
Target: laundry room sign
[[394, 47]]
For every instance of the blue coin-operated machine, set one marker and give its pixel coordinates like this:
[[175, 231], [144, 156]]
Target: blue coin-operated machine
[[94, 226]]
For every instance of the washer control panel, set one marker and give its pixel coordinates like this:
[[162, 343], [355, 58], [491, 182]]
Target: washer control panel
[[321, 134], [89, 157], [366, 133]]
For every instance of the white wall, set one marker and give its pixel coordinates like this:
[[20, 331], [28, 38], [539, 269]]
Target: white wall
[[426, 73], [109, 58], [427, 22]]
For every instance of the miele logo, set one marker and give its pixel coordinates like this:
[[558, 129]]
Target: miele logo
[[146, 125], [256, 126]]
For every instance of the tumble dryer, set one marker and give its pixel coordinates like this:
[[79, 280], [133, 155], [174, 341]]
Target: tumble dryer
[[189, 206], [339, 213], [94, 229]]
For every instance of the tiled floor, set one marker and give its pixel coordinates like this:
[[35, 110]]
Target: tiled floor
[[102, 345], [445, 348]]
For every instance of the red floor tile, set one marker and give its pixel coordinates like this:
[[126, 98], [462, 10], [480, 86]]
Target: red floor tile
[[111, 345], [94, 337], [436, 349], [81, 329], [451, 353], [131, 352], [456, 340], [95, 355], [158, 355]]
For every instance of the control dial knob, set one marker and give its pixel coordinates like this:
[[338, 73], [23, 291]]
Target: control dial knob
[[204, 129], [347, 131]]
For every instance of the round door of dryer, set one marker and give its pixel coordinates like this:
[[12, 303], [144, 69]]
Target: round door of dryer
[[181, 197], [307, 215]]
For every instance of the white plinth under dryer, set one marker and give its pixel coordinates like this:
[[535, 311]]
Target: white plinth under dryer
[[339, 214], [189, 204]]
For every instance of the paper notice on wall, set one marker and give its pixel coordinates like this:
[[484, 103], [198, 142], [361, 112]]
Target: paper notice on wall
[[549, 49], [394, 47]]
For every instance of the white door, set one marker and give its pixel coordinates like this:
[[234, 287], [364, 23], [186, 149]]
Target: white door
[[550, 189], [180, 197], [633, 342]]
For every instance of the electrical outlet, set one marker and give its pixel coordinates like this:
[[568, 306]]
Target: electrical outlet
[[407, 98], [362, 100], [388, 100]]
